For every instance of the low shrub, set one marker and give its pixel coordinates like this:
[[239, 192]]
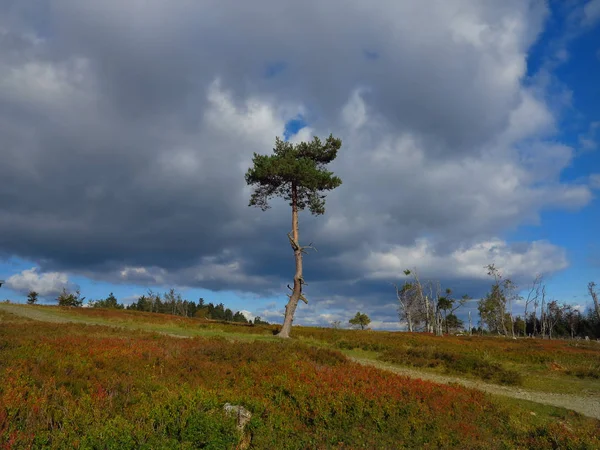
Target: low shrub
[[77, 386], [585, 372], [463, 364]]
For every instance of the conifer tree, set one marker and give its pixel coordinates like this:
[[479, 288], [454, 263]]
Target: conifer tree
[[297, 173]]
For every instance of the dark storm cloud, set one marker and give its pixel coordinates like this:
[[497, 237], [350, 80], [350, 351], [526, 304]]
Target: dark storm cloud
[[127, 128]]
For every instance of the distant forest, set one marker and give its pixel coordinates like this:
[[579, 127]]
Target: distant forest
[[170, 302]]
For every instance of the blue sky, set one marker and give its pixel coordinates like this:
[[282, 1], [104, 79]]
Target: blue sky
[[578, 75], [126, 149]]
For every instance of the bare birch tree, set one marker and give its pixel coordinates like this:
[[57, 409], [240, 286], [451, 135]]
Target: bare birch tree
[[543, 314], [423, 302], [532, 296], [554, 315], [409, 299], [511, 295], [594, 294]]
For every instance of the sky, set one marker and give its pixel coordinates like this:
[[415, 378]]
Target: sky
[[470, 136]]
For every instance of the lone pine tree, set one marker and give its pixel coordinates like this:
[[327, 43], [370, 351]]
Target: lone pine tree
[[297, 173]]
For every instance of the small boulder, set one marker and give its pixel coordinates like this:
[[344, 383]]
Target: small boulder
[[242, 414]]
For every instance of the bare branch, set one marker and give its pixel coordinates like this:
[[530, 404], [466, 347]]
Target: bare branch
[[310, 246], [293, 242]]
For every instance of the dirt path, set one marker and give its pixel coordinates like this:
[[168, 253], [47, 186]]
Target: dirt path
[[588, 406], [40, 314]]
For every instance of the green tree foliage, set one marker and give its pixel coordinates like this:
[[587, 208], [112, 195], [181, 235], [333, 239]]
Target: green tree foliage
[[32, 298], [108, 302], [297, 173], [259, 321], [360, 320], [172, 302], [453, 323], [520, 326], [492, 308], [67, 298]]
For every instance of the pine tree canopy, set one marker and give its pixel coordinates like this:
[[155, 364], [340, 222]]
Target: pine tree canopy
[[300, 166]]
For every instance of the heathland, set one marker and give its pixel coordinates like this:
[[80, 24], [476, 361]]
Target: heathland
[[94, 378]]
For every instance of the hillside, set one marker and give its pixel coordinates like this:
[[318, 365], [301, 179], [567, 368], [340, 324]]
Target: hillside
[[80, 378]]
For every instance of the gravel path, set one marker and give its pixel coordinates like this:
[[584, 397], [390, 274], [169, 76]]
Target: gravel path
[[39, 314], [588, 406]]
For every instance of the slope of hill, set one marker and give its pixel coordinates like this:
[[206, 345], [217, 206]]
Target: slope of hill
[[125, 383]]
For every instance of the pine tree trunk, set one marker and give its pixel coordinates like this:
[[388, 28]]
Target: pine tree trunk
[[446, 320], [290, 308]]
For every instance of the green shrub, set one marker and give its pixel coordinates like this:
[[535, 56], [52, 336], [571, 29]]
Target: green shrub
[[463, 364]]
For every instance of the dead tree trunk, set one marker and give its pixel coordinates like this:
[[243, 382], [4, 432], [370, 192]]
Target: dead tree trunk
[[423, 299], [512, 324], [404, 299], [436, 292], [439, 324], [543, 313], [532, 297], [594, 294], [503, 318]]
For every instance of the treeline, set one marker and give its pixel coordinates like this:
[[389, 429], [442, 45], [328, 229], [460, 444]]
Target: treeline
[[170, 302], [425, 306], [542, 317], [558, 321]]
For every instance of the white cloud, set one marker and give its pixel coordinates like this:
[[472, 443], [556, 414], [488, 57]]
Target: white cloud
[[248, 315], [254, 119], [591, 12], [129, 299], [532, 116], [589, 141], [150, 275], [465, 262], [45, 284], [354, 113]]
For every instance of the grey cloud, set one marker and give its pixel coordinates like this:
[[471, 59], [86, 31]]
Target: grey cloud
[[126, 132]]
